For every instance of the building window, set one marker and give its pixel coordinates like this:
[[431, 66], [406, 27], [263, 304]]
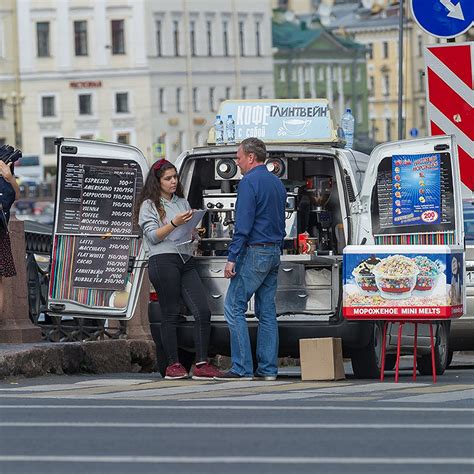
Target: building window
[[386, 84], [48, 145], [179, 93], [371, 85], [42, 37], [422, 116], [388, 129], [358, 74], [347, 73], [209, 37], [212, 94], [2, 108], [257, 39], [121, 103], [118, 37], [420, 45], [241, 38], [80, 38], [421, 79], [192, 37], [385, 50], [87, 136], [225, 37], [124, 138], [3, 141], [195, 99], [227, 92], [159, 39], [321, 73], [260, 92], [373, 128], [85, 104], [176, 37], [244, 92], [282, 74], [370, 51], [47, 106], [161, 100]]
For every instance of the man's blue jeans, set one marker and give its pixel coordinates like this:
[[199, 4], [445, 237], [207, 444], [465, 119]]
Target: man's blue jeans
[[256, 273]]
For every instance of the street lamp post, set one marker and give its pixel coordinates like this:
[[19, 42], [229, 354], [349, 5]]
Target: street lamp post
[[14, 100]]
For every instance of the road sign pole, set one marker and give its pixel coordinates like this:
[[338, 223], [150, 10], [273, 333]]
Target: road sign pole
[[400, 71]]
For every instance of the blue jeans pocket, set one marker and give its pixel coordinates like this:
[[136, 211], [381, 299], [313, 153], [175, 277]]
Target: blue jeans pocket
[[262, 261]]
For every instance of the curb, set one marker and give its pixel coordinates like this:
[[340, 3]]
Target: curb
[[97, 357]]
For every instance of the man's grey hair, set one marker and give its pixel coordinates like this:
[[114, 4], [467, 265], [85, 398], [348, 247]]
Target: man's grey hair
[[255, 146]]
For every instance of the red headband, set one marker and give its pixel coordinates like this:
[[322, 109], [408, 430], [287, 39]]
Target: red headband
[[160, 163]]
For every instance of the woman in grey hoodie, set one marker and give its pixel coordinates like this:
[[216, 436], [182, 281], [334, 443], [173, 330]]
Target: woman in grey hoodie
[[163, 208]]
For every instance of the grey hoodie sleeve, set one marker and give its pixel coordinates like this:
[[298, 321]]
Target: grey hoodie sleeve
[[149, 221]]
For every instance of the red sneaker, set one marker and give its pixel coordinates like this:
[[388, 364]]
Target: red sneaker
[[176, 371], [205, 371]]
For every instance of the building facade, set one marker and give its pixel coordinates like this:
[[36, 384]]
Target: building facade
[[146, 73], [313, 62]]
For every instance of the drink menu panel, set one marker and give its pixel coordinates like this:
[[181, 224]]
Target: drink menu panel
[[97, 197]]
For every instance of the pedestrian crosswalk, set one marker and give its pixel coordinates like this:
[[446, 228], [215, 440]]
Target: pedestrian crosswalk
[[285, 389]]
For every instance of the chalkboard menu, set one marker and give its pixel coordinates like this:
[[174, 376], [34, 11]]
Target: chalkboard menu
[[97, 197], [101, 263], [414, 193]]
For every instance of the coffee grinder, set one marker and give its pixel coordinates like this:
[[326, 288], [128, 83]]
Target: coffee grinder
[[319, 220]]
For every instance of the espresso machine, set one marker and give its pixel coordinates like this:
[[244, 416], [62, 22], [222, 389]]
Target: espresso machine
[[314, 217]]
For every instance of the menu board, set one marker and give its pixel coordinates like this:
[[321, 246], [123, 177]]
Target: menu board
[[416, 196], [414, 193], [97, 197], [101, 263]]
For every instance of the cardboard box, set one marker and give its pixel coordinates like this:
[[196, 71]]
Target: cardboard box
[[321, 359]]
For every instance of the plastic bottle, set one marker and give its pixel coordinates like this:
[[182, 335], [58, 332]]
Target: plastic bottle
[[230, 130], [347, 125], [219, 129]]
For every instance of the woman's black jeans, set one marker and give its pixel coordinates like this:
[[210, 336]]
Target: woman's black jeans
[[174, 280]]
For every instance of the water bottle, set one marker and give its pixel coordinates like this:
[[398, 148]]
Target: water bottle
[[230, 130], [347, 125], [219, 129]]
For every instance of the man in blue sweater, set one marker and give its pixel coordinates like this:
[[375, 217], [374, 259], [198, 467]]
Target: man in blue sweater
[[253, 261]]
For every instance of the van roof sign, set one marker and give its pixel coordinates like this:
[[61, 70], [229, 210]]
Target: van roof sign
[[281, 120]]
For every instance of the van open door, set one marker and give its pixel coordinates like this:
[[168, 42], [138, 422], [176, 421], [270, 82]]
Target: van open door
[[97, 257], [409, 261]]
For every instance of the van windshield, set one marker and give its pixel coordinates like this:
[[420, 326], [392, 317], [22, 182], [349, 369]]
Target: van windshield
[[468, 213]]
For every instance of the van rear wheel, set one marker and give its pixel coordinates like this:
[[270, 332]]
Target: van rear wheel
[[441, 353], [366, 362]]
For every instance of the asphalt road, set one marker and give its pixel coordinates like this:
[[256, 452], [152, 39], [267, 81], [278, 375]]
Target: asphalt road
[[138, 423]]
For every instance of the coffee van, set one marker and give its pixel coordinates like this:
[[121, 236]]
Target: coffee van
[[98, 259]]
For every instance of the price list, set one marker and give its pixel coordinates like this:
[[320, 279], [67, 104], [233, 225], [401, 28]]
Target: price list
[[101, 263], [107, 201]]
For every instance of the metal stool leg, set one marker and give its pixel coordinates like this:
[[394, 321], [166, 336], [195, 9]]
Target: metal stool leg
[[384, 339], [399, 343], [414, 350], [433, 362]]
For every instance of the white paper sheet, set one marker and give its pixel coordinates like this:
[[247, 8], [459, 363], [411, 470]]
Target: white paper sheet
[[184, 232]]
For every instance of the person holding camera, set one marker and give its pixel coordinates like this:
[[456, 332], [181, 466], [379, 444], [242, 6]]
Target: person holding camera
[[9, 193]]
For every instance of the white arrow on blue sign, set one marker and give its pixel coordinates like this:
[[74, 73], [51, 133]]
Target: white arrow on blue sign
[[443, 18]]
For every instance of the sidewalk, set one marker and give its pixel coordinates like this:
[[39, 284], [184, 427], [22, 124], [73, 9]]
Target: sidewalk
[[98, 357]]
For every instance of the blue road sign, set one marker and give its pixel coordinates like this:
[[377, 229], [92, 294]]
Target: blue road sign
[[414, 132], [443, 18]]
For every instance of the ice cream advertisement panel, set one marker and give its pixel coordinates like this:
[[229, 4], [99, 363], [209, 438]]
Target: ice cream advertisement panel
[[395, 284]]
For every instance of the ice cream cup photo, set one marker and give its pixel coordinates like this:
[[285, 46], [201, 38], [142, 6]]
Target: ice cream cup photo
[[428, 277], [395, 277], [364, 277], [296, 126]]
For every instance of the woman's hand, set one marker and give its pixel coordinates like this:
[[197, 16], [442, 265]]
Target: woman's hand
[[182, 218], [5, 171]]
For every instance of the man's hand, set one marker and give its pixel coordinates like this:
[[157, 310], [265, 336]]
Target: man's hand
[[229, 270], [5, 171]]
